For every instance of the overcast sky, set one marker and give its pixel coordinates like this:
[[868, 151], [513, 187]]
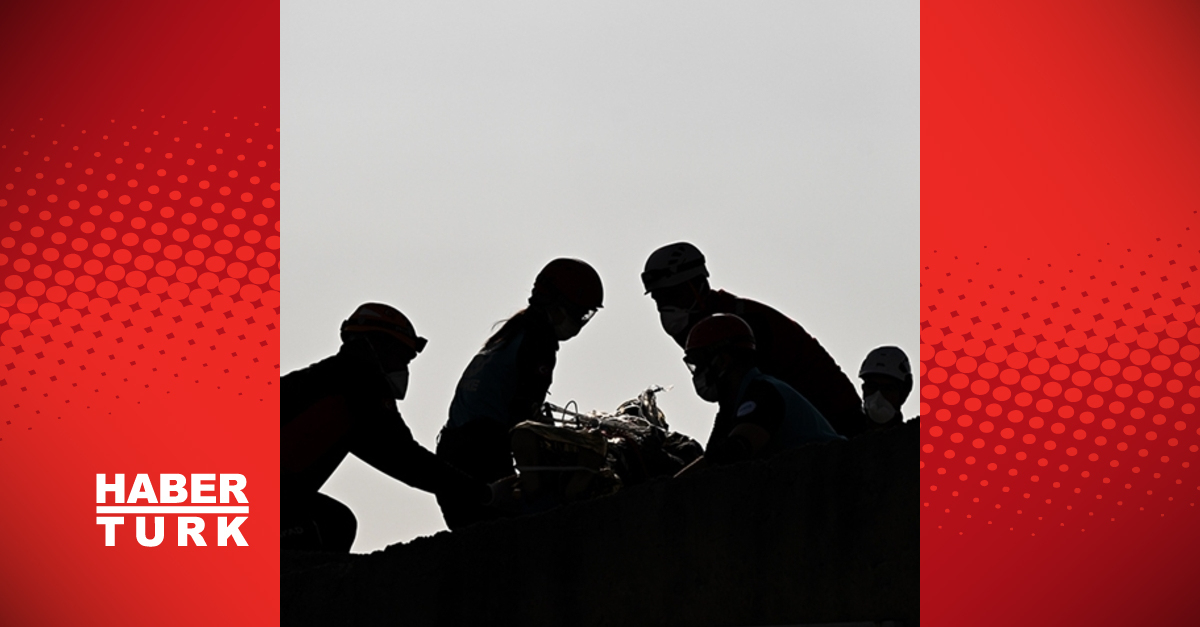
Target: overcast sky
[[437, 155]]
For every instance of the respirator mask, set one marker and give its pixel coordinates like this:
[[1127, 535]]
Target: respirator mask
[[399, 381], [567, 328], [571, 323], [877, 408], [674, 319], [705, 379], [393, 363]]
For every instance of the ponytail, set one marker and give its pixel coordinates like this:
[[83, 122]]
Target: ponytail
[[509, 329]]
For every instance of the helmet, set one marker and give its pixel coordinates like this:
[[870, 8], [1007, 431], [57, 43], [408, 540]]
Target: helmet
[[380, 318], [672, 265], [569, 280], [720, 331], [887, 360]]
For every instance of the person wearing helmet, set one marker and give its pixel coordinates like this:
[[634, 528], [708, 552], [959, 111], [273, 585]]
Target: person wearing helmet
[[507, 381], [347, 404], [676, 277], [758, 414], [887, 381]]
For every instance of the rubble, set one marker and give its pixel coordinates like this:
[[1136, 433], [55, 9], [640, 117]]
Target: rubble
[[821, 534]]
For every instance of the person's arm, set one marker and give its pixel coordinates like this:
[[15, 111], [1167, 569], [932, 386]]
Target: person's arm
[[388, 446], [481, 448], [536, 359]]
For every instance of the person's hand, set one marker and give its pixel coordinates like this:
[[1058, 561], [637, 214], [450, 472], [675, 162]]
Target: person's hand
[[506, 492]]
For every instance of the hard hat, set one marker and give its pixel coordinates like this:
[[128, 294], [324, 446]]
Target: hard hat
[[720, 331], [571, 280], [380, 318], [886, 360], [672, 265]]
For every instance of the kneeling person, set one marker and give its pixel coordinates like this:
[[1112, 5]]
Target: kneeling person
[[759, 415]]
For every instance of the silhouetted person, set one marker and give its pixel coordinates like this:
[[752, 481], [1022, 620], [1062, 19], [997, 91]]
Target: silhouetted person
[[758, 414], [887, 381], [677, 279], [347, 404], [506, 383]]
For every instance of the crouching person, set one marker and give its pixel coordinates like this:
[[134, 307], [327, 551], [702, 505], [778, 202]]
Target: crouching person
[[507, 381], [347, 404], [758, 415]]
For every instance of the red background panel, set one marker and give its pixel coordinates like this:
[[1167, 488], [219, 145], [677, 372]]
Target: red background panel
[[1058, 316], [93, 58], [1059, 321], [139, 303]]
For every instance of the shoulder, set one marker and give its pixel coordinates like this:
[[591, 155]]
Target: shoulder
[[755, 309], [773, 325], [316, 385], [321, 370], [720, 301], [512, 342], [761, 395], [758, 315], [763, 386]]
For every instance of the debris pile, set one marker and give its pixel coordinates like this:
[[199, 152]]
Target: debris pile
[[820, 534]]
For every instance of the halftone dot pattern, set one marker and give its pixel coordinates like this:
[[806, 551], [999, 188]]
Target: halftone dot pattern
[[1059, 396], [126, 271]]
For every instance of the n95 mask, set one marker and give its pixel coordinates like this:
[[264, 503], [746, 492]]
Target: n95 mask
[[878, 408]]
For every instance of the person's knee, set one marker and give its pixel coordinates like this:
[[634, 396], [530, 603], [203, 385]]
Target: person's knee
[[318, 523], [337, 526]]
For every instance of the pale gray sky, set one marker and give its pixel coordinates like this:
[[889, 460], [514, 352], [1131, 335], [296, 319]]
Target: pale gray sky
[[437, 155]]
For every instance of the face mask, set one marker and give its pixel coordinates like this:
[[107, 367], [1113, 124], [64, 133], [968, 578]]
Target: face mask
[[399, 382], [674, 319], [706, 377], [706, 385], [566, 323], [878, 408], [567, 328]]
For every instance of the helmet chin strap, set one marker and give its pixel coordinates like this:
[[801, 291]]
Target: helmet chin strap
[[698, 294]]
